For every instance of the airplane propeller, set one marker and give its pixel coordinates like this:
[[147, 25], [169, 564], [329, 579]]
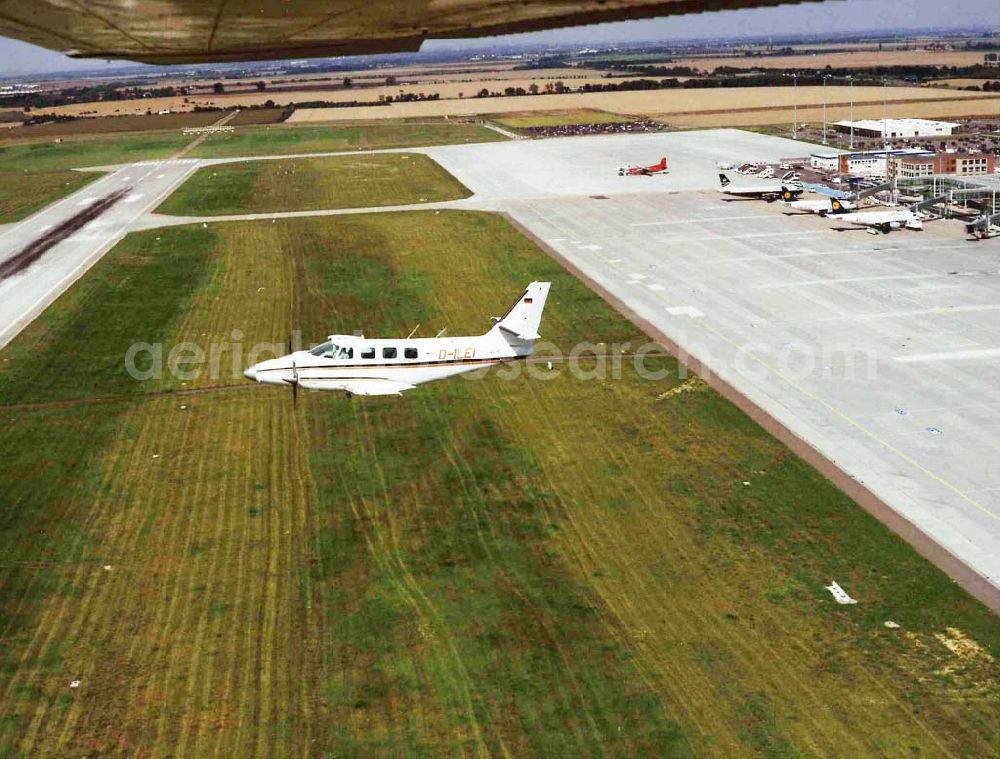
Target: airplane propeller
[[294, 381]]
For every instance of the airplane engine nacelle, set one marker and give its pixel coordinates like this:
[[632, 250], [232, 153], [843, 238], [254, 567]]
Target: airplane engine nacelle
[[894, 224]]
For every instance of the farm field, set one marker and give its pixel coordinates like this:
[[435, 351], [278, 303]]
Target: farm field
[[360, 135], [958, 82], [112, 124], [81, 152], [538, 565], [454, 86], [297, 184], [24, 192], [557, 118], [636, 103], [984, 105], [859, 59]]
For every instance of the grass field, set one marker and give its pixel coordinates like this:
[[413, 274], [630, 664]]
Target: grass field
[[534, 566], [24, 192], [558, 118], [49, 155], [280, 139], [297, 184]]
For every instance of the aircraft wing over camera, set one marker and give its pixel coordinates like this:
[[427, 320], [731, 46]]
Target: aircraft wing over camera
[[187, 31]]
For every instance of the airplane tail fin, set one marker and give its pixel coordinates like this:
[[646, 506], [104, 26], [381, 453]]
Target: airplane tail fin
[[663, 163], [523, 317], [837, 207], [786, 195], [724, 180]]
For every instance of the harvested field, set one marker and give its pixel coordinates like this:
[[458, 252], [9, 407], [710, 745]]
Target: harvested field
[[257, 116], [528, 119], [860, 59], [446, 89], [984, 105], [641, 103], [24, 192], [112, 124], [359, 135], [304, 183], [959, 82], [542, 565]]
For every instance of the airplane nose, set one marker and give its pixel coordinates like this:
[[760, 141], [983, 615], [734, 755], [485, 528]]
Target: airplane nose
[[251, 373]]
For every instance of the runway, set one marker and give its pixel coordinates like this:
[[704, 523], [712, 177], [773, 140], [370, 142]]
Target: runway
[[25, 295], [876, 353]]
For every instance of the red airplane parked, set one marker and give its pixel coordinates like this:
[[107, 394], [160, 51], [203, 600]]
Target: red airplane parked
[[648, 171]]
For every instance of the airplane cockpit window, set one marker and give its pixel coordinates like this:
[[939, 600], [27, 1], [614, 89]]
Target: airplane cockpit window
[[326, 350]]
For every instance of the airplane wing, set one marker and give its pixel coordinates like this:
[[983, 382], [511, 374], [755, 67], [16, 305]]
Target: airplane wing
[[358, 386], [194, 31]]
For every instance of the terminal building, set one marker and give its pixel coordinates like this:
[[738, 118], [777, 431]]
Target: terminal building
[[889, 128], [863, 163], [955, 164]]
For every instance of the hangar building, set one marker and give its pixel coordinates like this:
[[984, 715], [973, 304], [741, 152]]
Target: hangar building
[[889, 128]]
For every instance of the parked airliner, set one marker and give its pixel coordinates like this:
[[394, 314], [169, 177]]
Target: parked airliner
[[768, 191], [358, 365], [877, 221], [822, 206]]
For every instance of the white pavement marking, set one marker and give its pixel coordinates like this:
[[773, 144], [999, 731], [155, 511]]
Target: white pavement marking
[[699, 220], [967, 355], [691, 311]]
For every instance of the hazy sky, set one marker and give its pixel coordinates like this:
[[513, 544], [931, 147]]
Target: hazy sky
[[819, 17]]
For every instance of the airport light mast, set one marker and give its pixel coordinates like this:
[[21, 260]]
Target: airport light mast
[[825, 77], [795, 105], [885, 111], [851, 80]]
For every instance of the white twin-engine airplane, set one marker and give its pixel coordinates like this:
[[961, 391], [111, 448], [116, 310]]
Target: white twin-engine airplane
[[877, 221], [768, 191], [357, 365]]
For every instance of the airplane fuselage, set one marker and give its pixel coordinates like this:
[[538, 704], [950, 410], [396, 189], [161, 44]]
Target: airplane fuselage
[[358, 365]]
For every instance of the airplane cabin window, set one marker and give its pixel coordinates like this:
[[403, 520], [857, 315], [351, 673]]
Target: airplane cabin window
[[323, 349], [346, 353], [410, 352], [368, 353], [388, 353]]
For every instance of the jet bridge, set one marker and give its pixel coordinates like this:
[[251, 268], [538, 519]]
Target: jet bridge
[[923, 205], [886, 187], [984, 227]]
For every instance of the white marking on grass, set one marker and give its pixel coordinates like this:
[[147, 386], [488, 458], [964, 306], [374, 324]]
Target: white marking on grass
[[839, 594]]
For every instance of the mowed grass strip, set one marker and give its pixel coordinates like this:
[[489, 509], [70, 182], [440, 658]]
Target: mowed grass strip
[[81, 152], [534, 565], [527, 119], [368, 135], [24, 192], [300, 184]]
